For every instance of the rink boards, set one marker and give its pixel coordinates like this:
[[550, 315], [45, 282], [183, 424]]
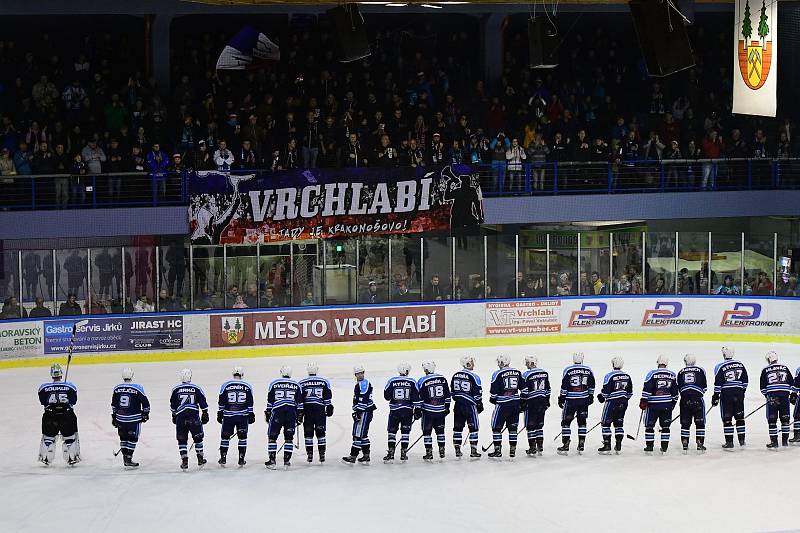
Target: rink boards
[[387, 327]]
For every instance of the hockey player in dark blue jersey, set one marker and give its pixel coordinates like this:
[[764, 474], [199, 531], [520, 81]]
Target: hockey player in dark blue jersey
[[317, 407], [433, 408], [235, 413], [504, 394], [59, 398], [363, 408], [189, 414], [535, 400], [284, 412], [402, 395], [575, 397], [776, 386], [130, 408], [659, 396], [617, 390], [730, 385], [793, 399], [465, 386], [692, 385]]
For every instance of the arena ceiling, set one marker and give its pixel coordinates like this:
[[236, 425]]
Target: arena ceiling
[[426, 4]]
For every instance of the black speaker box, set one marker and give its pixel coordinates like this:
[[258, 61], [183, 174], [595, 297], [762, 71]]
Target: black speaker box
[[661, 32], [541, 43], [351, 32]]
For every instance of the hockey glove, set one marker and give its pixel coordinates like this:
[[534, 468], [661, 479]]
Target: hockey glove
[[547, 403], [204, 417], [219, 417], [267, 414], [417, 413], [113, 421], [601, 398], [174, 419], [561, 402], [642, 404], [355, 416], [447, 410], [591, 399], [793, 398], [523, 405], [715, 399], [328, 410], [251, 418], [145, 417], [479, 407], [299, 418], [492, 401]]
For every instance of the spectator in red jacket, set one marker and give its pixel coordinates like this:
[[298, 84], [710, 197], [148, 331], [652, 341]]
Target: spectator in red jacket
[[712, 149]]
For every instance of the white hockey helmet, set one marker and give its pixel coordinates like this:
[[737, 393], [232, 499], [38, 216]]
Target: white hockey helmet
[[185, 375], [617, 362], [358, 369], [429, 367], [403, 368], [127, 374], [728, 352], [468, 362], [238, 371], [286, 371], [662, 360], [531, 361], [312, 369], [771, 357], [690, 359], [55, 371], [577, 358], [503, 361]]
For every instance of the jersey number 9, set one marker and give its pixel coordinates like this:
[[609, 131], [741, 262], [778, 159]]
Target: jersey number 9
[[237, 397]]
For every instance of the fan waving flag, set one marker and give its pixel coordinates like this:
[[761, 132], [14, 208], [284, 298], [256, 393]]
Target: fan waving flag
[[248, 49]]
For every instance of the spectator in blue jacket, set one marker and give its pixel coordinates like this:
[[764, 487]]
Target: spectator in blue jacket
[[157, 164]]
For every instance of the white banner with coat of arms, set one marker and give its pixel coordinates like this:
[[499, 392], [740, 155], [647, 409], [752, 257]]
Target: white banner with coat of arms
[[755, 70]]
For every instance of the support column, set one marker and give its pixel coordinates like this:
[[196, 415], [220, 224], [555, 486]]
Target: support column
[[492, 47], [157, 29]]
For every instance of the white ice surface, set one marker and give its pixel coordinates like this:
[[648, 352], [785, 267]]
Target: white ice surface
[[753, 489]]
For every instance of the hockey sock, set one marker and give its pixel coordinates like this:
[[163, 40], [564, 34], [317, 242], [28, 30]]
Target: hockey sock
[[183, 449], [540, 443], [457, 439], [354, 450], [223, 444], [740, 431], [649, 436], [473, 438]]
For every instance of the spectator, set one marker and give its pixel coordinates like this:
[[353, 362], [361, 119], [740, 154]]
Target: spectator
[[223, 157], [62, 166], [402, 294], [239, 303], [515, 156], [654, 148], [12, 309], [22, 160], [701, 279], [763, 286], [371, 294], [312, 139], [532, 288], [251, 298], [385, 154], [685, 282], [623, 285], [728, 288], [434, 291], [498, 148], [143, 305], [157, 166], [352, 155], [436, 153], [511, 286], [712, 148], [287, 158], [270, 299], [188, 135], [43, 161], [70, 307], [537, 155], [248, 158], [94, 157], [7, 167], [598, 287], [39, 310], [308, 300], [78, 181], [661, 286]]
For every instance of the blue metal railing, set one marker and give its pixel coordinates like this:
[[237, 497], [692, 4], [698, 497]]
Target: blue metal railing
[[535, 178]]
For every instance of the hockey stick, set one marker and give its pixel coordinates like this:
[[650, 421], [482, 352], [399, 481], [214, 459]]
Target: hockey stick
[[75, 325], [560, 432], [641, 417], [298, 439], [485, 448], [679, 415], [760, 407], [415, 442]]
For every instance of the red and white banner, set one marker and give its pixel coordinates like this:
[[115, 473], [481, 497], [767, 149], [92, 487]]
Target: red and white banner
[[521, 317], [755, 69]]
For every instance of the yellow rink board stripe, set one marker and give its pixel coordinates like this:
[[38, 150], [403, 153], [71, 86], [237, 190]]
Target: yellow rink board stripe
[[384, 346]]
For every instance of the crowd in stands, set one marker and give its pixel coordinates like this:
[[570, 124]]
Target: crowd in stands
[[90, 112]]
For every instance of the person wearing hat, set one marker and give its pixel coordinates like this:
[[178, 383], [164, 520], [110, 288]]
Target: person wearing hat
[[437, 152], [371, 294], [223, 158]]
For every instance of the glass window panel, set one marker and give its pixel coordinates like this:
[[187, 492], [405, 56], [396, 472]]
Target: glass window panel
[[660, 266], [9, 285], [595, 262], [340, 271], [241, 277], [469, 283], [438, 264], [307, 255], [693, 266], [726, 257], [71, 278], [141, 277], [500, 266], [627, 250], [37, 276], [209, 277], [759, 265], [563, 263], [105, 298], [533, 264], [406, 269], [373, 269], [173, 261], [274, 274], [786, 275]]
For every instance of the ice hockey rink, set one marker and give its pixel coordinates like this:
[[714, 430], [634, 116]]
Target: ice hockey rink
[[750, 489]]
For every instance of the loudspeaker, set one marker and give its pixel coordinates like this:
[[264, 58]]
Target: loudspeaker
[[351, 32], [541, 43], [661, 32]]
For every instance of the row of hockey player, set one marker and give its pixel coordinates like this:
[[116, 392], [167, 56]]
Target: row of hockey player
[[308, 402]]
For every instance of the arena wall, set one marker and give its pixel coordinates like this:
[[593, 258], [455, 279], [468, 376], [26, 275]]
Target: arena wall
[[387, 327]]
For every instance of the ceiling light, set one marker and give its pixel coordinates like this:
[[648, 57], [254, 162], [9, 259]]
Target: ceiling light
[[431, 6], [396, 5]]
